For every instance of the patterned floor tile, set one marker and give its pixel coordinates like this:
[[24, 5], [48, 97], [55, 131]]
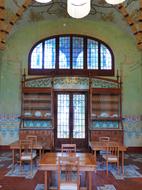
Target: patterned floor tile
[[16, 172], [106, 187]]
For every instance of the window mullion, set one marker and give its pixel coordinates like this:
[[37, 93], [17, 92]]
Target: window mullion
[[71, 52], [43, 51], [85, 53], [99, 56], [57, 53]]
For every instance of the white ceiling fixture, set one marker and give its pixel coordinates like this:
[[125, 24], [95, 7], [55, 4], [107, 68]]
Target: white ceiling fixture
[[43, 1], [114, 2], [78, 8]]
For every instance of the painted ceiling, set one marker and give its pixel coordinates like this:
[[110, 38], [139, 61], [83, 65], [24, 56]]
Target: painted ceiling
[[14, 13]]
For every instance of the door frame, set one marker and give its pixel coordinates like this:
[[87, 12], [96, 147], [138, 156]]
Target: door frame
[[81, 144]]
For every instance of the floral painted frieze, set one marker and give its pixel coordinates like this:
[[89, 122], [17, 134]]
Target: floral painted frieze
[[39, 83], [99, 83]]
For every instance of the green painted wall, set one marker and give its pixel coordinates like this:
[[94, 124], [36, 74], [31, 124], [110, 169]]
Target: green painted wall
[[128, 60]]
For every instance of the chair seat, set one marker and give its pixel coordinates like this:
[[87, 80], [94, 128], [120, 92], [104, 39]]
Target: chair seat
[[110, 158], [103, 152], [28, 156], [68, 186]]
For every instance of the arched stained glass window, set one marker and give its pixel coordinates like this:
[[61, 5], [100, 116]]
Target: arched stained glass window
[[71, 55]]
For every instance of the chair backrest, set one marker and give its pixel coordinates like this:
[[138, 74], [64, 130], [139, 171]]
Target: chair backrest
[[113, 149], [68, 148], [104, 139], [26, 148], [33, 138], [68, 172]]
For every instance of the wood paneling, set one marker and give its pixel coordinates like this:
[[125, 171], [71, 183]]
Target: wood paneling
[[44, 136], [115, 135]]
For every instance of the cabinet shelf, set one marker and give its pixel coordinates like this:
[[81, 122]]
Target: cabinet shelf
[[105, 109], [104, 102], [34, 118], [36, 101], [36, 108], [106, 118]]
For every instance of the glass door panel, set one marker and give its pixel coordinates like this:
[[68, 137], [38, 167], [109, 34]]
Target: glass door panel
[[79, 116], [63, 116]]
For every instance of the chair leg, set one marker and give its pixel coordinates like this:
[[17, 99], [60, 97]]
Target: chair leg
[[31, 168], [107, 168], [118, 167]]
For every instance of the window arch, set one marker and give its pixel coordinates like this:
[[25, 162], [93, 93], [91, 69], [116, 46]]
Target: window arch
[[71, 55]]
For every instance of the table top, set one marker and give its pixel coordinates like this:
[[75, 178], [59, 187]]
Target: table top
[[49, 161], [16, 145], [97, 145]]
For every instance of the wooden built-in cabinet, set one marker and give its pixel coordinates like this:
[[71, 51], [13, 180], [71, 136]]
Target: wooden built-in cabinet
[[36, 104], [106, 110], [37, 110], [105, 104]]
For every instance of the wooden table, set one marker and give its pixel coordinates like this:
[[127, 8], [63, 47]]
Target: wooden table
[[49, 163], [97, 146], [16, 146]]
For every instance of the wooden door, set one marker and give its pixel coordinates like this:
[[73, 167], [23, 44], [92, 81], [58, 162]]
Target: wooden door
[[71, 119]]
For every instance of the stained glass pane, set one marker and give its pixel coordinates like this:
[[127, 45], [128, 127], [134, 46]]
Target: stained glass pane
[[50, 54], [92, 54], [36, 57], [106, 62], [77, 53], [64, 52], [79, 116], [63, 116]]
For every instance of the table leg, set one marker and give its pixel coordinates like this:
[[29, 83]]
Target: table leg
[[13, 158], [95, 156], [39, 153], [123, 162], [90, 180], [45, 180]]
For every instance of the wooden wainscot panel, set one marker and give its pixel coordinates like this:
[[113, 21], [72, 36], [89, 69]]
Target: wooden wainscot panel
[[115, 135], [44, 136]]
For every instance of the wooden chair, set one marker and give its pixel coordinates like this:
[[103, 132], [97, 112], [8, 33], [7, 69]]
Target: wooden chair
[[27, 154], [33, 138], [68, 173], [103, 139], [68, 148], [112, 155]]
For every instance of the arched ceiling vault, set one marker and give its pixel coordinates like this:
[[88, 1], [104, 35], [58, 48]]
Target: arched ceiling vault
[[128, 12]]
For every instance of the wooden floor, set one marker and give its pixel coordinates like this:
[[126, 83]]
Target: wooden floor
[[99, 179]]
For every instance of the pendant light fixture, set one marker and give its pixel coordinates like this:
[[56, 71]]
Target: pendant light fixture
[[43, 1], [114, 2], [78, 8]]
